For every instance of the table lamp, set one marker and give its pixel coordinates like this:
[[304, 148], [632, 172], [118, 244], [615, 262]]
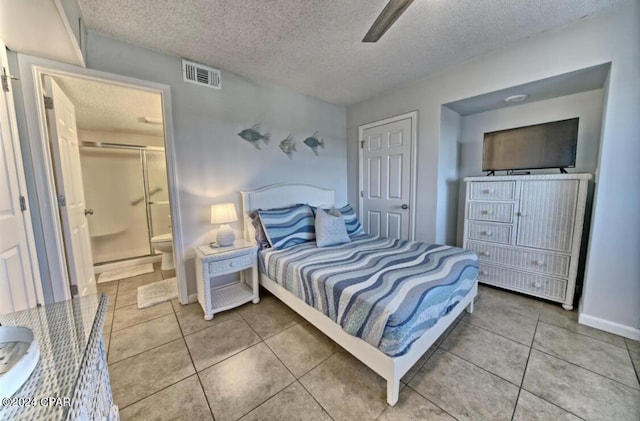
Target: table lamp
[[224, 213]]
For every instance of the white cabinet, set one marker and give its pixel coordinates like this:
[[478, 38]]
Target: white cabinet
[[527, 231]]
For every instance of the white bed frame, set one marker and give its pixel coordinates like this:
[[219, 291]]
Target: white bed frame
[[391, 369]]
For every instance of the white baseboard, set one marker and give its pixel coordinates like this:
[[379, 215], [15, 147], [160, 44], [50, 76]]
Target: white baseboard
[[608, 326]]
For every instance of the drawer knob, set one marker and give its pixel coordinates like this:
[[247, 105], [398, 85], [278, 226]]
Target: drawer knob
[[537, 285], [522, 213], [539, 262], [484, 272], [232, 263], [487, 233], [484, 253], [487, 212], [488, 191]]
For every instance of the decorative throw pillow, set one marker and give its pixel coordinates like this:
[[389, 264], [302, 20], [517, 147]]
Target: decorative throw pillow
[[288, 227], [351, 221], [261, 237], [330, 228]]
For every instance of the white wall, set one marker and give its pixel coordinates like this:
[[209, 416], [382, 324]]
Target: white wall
[[213, 162], [587, 106], [611, 290]]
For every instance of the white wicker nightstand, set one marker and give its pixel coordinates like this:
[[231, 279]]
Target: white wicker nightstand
[[211, 263]]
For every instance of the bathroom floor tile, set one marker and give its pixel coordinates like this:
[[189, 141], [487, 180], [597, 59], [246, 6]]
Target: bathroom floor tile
[[132, 315], [137, 281], [346, 388], [292, 404], [532, 408], [418, 365], [237, 385], [142, 337], [558, 316], [140, 376], [184, 400], [499, 355], [191, 318], [592, 354], [580, 391], [268, 317], [126, 297], [504, 322], [413, 407], [215, 343], [463, 390], [301, 347]]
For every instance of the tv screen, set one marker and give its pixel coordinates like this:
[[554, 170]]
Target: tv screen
[[547, 145]]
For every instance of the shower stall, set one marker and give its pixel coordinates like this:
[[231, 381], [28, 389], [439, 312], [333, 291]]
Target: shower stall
[[126, 187]]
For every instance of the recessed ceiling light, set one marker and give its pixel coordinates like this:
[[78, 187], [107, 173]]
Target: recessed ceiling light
[[516, 98]]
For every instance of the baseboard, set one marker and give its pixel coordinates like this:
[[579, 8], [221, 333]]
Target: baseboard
[[608, 326]]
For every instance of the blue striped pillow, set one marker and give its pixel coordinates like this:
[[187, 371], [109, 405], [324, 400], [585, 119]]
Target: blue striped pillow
[[288, 227], [351, 221]]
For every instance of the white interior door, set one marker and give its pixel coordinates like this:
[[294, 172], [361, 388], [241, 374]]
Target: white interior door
[[386, 177], [68, 174], [19, 280]]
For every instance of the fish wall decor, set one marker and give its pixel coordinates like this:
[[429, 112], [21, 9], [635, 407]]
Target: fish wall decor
[[254, 136], [288, 146], [313, 142]]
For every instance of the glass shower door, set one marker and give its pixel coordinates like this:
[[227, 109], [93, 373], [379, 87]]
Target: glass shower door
[[158, 193], [114, 189]]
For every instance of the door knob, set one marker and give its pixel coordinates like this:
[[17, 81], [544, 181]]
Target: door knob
[[88, 212], [404, 206]]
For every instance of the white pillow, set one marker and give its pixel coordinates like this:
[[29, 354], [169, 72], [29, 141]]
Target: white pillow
[[330, 228]]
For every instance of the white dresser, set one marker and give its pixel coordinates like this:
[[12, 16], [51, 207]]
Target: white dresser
[[527, 231]]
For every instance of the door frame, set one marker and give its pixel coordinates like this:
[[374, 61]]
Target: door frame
[[31, 71], [413, 116]]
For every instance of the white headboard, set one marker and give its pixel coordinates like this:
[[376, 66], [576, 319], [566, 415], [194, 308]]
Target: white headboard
[[281, 195]]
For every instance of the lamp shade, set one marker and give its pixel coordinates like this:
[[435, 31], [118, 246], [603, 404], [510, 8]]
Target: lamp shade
[[223, 213]]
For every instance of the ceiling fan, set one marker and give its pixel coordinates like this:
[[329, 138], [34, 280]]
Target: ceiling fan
[[387, 17]]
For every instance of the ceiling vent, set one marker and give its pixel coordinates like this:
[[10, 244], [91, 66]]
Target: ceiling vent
[[201, 75]]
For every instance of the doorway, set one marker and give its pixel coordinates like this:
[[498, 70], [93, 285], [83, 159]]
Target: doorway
[[387, 176], [33, 70]]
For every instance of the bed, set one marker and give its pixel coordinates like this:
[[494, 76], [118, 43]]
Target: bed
[[391, 343]]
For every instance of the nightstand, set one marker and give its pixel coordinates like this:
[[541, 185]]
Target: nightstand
[[212, 262]]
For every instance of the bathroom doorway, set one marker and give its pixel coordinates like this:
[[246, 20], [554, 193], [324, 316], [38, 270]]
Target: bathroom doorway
[[119, 136]]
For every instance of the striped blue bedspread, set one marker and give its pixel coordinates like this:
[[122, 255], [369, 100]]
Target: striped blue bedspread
[[386, 291]]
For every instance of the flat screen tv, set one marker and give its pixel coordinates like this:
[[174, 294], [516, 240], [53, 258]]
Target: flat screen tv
[[547, 145]]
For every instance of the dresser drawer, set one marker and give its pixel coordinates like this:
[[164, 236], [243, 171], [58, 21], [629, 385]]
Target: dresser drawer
[[542, 286], [491, 211], [493, 190], [232, 264], [546, 263], [495, 233]]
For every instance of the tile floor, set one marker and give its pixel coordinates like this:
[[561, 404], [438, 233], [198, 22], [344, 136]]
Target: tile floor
[[514, 358]]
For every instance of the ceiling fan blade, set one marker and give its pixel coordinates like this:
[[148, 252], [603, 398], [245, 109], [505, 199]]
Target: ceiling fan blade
[[389, 14]]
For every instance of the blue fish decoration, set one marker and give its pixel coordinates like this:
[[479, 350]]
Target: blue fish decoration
[[313, 142], [254, 136], [288, 146]]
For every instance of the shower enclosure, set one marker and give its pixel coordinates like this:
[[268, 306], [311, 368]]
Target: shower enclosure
[[126, 186]]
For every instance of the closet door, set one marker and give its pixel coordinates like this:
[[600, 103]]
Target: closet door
[[546, 215]]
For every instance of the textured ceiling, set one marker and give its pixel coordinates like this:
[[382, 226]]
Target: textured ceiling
[[108, 107], [314, 46]]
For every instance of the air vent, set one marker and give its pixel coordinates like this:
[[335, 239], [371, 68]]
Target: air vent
[[201, 75]]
